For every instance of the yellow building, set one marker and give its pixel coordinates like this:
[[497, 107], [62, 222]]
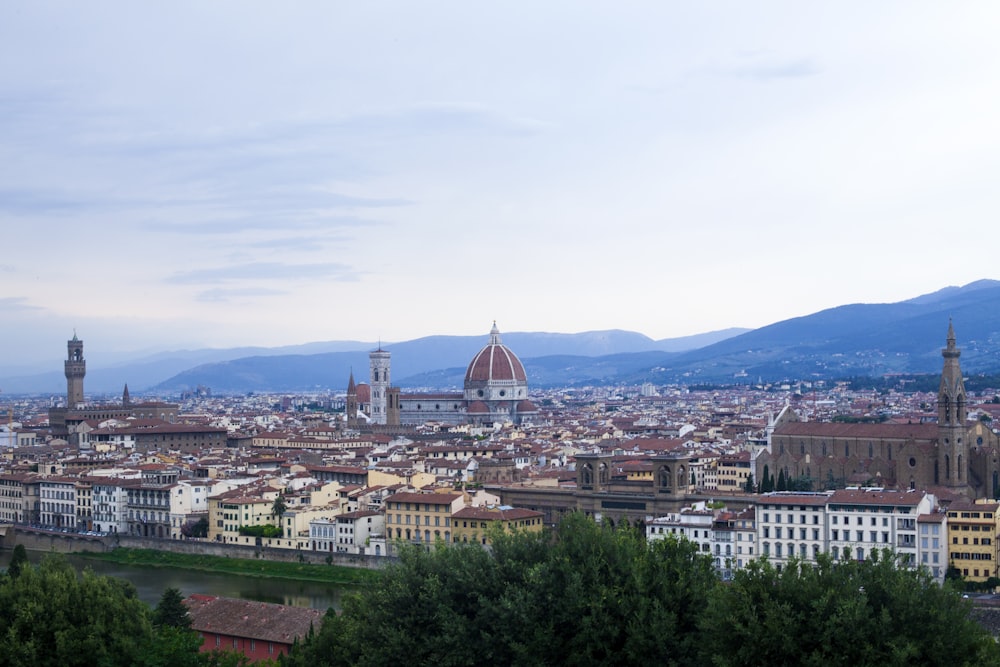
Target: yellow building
[[422, 518], [476, 524], [228, 511], [973, 529], [733, 470]]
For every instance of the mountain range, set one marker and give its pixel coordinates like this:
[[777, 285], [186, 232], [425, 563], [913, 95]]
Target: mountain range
[[846, 341]]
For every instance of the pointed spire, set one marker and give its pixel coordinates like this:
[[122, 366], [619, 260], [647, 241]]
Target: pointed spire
[[351, 388], [126, 399], [950, 350]]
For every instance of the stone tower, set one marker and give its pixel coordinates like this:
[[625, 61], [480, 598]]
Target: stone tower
[[351, 403], [952, 465], [76, 368], [379, 360]]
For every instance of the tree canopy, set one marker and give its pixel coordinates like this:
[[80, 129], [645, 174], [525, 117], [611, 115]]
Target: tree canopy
[[593, 595], [49, 615]]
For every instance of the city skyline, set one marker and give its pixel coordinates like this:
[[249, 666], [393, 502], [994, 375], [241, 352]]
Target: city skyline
[[242, 174]]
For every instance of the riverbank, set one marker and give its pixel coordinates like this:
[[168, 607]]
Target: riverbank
[[328, 574]]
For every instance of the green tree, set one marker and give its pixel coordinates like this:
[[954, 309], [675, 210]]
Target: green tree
[[18, 561], [766, 483], [748, 487], [843, 613], [782, 482], [171, 611], [50, 616], [279, 507], [586, 595]]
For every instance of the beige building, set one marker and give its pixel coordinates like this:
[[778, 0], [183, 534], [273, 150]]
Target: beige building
[[421, 518], [476, 524]]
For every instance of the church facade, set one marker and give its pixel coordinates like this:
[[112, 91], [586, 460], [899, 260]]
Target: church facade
[[495, 390], [950, 456]]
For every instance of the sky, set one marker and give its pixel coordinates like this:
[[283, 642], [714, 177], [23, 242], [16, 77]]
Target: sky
[[180, 175]]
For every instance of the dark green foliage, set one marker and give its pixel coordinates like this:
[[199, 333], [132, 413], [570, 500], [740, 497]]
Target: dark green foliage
[[197, 528], [49, 616], [590, 595], [171, 612], [847, 613], [18, 561], [279, 507], [267, 530], [748, 487]]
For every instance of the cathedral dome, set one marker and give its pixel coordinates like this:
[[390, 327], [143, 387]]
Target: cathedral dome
[[495, 363]]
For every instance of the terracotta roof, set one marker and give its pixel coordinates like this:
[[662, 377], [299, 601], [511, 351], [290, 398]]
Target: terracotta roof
[[859, 430], [863, 497], [429, 498], [495, 362], [496, 514], [251, 619]]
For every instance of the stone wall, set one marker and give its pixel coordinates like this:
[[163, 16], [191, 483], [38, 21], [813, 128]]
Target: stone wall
[[43, 540]]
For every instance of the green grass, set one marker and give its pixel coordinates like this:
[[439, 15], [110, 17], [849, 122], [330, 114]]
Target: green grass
[[333, 574]]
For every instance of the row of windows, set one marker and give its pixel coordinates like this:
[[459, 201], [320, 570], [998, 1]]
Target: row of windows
[[426, 507], [790, 518], [405, 519]]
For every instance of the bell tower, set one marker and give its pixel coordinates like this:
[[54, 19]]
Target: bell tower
[[953, 450], [76, 368], [379, 361]]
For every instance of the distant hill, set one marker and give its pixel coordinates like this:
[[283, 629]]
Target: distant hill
[[429, 362], [851, 340]]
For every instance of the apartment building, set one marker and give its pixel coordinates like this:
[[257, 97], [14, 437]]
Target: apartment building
[[973, 530], [864, 521], [476, 524], [423, 518], [19, 497], [791, 523], [694, 525], [57, 502], [932, 543], [110, 504], [351, 532]]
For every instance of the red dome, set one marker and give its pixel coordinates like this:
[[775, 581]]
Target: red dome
[[495, 362], [478, 408]]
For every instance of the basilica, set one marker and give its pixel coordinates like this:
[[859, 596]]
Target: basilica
[[495, 390], [950, 456]]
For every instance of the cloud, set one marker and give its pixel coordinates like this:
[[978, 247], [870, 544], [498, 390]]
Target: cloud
[[790, 69], [226, 295], [266, 271], [283, 221], [16, 303]]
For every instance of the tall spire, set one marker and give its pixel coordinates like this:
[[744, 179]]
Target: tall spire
[[952, 467]]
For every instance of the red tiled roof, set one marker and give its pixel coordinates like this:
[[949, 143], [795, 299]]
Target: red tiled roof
[[251, 619]]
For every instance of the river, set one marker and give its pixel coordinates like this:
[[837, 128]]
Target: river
[[152, 581]]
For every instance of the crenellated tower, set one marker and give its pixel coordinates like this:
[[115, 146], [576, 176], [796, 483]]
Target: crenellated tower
[[76, 368], [952, 465]]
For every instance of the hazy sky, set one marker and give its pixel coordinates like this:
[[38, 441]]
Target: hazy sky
[[195, 174]]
